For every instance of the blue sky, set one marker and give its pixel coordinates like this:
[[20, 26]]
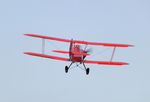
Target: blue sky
[[29, 79]]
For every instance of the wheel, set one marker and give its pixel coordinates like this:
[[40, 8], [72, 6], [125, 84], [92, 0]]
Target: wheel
[[66, 69], [87, 71]]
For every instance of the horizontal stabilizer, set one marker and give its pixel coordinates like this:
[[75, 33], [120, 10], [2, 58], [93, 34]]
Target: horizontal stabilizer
[[67, 52]]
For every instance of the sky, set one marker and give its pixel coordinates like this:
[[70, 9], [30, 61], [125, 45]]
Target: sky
[[25, 78]]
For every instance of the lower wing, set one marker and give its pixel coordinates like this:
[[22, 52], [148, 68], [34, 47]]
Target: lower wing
[[106, 62], [67, 59], [46, 56]]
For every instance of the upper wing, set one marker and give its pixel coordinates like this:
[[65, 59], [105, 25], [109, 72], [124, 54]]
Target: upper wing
[[106, 62], [80, 42], [46, 56], [48, 37]]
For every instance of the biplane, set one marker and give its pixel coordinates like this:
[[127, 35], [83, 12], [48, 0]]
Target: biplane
[[77, 55]]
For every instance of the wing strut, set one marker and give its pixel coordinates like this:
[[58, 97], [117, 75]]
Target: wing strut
[[43, 46], [113, 53]]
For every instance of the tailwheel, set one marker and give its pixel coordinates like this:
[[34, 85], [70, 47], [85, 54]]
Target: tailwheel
[[66, 69], [87, 71]]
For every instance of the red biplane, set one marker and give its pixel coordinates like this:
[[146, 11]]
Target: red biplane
[[76, 53]]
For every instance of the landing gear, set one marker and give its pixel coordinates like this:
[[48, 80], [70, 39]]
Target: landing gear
[[66, 69], [87, 71]]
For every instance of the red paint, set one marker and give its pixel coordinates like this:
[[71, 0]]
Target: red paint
[[67, 52], [80, 42], [76, 53]]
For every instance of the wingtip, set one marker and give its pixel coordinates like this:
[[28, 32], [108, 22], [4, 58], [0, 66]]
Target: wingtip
[[131, 45], [27, 34], [126, 63], [28, 53]]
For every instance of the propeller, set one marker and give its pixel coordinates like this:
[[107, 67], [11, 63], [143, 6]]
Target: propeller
[[88, 51]]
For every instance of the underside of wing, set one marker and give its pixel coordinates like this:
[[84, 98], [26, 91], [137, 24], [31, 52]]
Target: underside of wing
[[79, 41], [46, 56], [106, 62]]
